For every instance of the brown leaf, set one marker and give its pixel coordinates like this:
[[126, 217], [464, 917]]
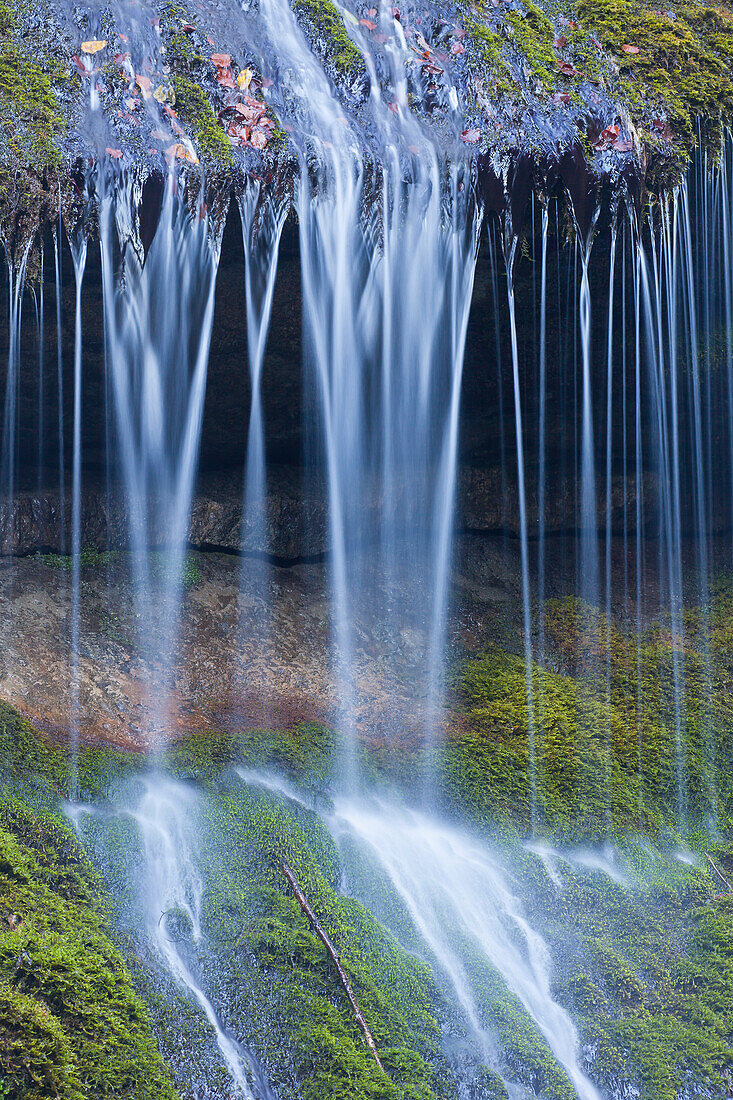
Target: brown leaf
[[116, 153], [630, 49], [471, 136]]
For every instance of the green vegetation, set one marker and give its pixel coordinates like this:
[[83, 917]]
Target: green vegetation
[[71, 1025], [32, 119], [327, 29], [199, 120], [643, 952], [161, 566]]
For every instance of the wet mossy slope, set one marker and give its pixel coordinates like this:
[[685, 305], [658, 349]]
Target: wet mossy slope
[[641, 933], [71, 1024]]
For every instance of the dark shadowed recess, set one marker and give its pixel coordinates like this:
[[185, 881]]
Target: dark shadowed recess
[[487, 420]]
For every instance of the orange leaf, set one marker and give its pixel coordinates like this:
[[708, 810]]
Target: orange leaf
[[630, 49], [116, 153], [93, 46]]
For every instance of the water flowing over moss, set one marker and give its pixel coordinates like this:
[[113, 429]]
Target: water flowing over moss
[[71, 1025]]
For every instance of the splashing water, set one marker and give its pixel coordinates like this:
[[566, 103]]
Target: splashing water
[[460, 903], [166, 816]]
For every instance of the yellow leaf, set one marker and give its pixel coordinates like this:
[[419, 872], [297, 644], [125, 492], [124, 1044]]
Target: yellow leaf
[[93, 46], [244, 79]]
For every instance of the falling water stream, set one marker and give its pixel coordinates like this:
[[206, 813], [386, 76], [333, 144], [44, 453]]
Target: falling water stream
[[389, 224], [165, 814]]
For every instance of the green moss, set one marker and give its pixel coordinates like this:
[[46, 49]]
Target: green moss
[[32, 119], [198, 118], [683, 64], [71, 1026], [327, 28]]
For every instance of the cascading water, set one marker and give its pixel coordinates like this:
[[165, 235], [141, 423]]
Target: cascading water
[[165, 818], [159, 311], [459, 902], [388, 219]]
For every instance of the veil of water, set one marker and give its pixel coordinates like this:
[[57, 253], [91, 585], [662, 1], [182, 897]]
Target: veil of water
[[158, 313], [619, 474], [165, 816]]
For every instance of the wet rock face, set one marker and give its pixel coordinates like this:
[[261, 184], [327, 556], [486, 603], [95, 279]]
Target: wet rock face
[[295, 516], [253, 645]]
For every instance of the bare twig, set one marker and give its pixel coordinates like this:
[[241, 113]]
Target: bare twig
[[718, 872], [303, 902]]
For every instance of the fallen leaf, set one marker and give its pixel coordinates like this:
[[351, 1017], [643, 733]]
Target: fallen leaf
[[181, 152], [221, 60], [561, 42], [93, 46], [630, 49], [116, 153], [369, 24], [610, 133], [561, 97], [471, 136], [258, 139], [458, 47], [244, 79], [566, 68], [188, 28]]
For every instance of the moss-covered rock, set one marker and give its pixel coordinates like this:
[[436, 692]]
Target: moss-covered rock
[[71, 1025]]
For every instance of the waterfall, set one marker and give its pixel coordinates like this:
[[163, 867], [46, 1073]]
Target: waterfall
[[158, 312], [165, 814], [510, 251], [459, 900], [262, 218], [78, 242]]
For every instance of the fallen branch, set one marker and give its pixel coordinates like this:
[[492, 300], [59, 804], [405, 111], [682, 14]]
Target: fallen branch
[[303, 902], [718, 872]]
